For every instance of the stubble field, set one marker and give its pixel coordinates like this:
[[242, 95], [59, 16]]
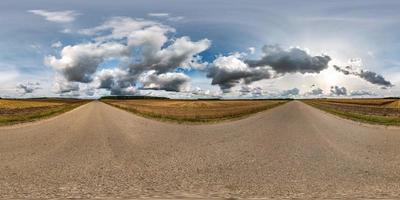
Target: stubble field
[[14, 111], [375, 111], [194, 110]]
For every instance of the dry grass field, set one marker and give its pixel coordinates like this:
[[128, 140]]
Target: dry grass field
[[23, 110], [194, 110], [377, 111]]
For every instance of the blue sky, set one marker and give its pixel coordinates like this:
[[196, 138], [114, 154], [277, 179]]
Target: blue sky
[[222, 37]]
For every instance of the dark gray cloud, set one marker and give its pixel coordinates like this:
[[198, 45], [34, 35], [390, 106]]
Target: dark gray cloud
[[369, 76], [290, 61], [291, 92], [28, 87], [338, 91]]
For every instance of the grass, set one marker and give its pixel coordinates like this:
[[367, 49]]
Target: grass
[[194, 111], [14, 111], [372, 111]]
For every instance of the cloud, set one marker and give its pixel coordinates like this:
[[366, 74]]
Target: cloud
[[227, 71], [253, 91], [158, 14], [170, 81], [291, 92], [361, 93], [79, 62], [315, 92], [290, 61], [63, 87], [145, 56], [56, 45], [57, 16], [166, 16], [251, 50], [338, 91], [369, 76], [29, 87]]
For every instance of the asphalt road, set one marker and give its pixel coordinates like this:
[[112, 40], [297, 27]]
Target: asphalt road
[[293, 150]]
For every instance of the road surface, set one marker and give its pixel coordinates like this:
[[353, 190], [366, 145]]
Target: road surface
[[292, 150]]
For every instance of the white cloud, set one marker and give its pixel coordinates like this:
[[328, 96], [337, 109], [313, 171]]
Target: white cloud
[[80, 62], [57, 16], [144, 53], [56, 45], [158, 14]]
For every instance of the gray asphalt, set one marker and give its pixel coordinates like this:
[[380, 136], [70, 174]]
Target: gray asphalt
[[290, 151]]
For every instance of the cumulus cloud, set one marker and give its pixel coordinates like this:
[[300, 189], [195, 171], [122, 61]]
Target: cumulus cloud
[[143, 50], [57, 16], [291, 92], [227, 71], [28, 87], [170, 81], [79, 62], [290, 61], [369, 76], [338, 91]]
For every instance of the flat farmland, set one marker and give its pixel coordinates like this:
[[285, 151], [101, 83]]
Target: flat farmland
[[14, 111], [376, 111], [194, 110]]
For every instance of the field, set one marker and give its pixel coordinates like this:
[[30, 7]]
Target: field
[[23, 110], [376, 111], [194, 110]]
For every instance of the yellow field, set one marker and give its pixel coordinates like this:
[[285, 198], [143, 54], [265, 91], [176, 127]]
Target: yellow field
[[14, 104], [17, 111], [194, 110]]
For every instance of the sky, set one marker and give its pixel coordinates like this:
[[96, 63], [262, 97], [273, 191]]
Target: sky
[[200, 49]]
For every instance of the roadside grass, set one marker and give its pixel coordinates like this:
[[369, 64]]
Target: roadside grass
[[19, 111], [194, 111], [374, 117]]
